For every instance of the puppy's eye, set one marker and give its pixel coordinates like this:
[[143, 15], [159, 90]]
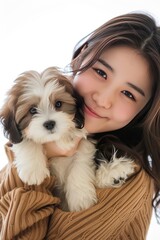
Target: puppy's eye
[[58, 104], [33, 110]]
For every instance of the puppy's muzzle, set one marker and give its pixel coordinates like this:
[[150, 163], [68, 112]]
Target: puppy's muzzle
[[49, 125]]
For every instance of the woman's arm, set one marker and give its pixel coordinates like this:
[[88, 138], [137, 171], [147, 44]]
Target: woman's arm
[[24, 210], [27, 211], [122, 213]]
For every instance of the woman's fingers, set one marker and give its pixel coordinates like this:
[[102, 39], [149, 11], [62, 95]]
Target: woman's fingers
[[52, 150]]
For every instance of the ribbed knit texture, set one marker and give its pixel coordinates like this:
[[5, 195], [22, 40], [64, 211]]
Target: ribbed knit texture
[[31, 212]]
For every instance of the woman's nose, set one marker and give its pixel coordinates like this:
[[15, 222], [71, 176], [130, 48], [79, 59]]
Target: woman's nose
[[103, 99]]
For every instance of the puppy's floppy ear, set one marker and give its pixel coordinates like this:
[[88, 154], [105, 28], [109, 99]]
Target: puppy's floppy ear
[[79, 115], [11, 130]]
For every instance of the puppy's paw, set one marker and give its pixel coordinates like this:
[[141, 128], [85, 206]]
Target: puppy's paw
[[114, 173], [33, 177]]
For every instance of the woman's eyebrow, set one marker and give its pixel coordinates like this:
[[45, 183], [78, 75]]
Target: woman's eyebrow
[[105, 64], [139, 90]]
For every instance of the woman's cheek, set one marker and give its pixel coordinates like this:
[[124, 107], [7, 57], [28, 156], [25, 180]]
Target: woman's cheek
[[124, 114], [83, 82]]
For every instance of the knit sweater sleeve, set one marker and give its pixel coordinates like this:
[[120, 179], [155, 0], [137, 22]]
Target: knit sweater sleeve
[[31, 212], [24, 210], [122, 213]]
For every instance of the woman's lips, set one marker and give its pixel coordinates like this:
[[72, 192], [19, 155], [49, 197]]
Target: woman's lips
[[90, 112]]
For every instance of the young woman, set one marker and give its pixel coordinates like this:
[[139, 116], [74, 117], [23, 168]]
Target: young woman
[[116, 69]]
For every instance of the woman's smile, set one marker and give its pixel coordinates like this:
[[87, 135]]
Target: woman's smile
[[89, 111]]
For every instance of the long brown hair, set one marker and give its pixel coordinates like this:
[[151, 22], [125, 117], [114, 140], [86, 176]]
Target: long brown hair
[[142, 134]]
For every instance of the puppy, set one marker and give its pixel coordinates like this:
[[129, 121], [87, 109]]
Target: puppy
[[44, 107]]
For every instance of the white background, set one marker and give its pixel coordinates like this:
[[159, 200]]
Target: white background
[[35, 34]]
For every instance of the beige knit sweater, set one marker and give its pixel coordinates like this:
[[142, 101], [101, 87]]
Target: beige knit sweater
[[31, 212]]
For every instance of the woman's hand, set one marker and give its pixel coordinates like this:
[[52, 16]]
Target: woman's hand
[[52, 150]]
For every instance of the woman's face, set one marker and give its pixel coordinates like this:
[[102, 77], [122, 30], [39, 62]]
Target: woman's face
[[114, 89]]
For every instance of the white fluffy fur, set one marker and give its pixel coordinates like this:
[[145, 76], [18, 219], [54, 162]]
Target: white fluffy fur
[[30, 162], [76, 177], [117, 169]]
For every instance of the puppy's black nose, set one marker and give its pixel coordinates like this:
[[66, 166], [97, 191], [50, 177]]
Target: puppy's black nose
[[49, 125]]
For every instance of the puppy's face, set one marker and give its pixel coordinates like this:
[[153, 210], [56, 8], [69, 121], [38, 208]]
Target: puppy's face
[[41, 107]]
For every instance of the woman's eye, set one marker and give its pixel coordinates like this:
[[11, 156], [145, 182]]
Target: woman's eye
[[101, 73], [129, 95], [33, 110], [58, 104]]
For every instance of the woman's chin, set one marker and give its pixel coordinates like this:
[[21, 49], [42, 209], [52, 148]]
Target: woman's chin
[[92, 128]]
